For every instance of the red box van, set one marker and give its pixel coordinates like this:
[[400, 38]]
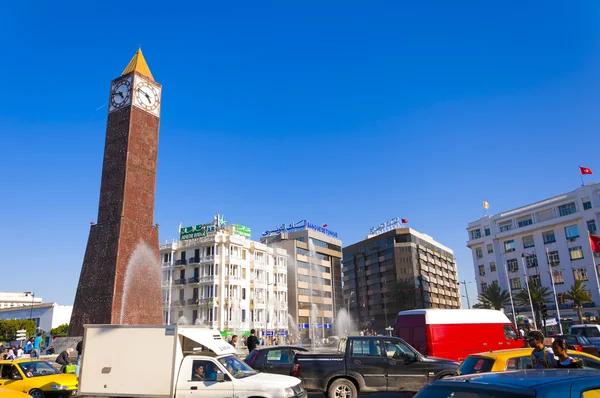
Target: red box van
[[454, 334]]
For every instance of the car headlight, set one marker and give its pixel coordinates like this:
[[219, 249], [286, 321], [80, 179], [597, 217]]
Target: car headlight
[[289, 392], [58, 387]]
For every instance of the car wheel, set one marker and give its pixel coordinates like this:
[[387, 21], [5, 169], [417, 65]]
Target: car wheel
[[342, 388], [36, 393]]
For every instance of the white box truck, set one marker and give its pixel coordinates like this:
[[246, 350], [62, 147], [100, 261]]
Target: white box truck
[[171, 362]]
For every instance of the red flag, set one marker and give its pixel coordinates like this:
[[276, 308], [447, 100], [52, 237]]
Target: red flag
[[324, 225], [595, 243], [585, 170], [404, 221]]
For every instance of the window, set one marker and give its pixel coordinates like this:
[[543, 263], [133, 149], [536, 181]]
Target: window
[[483, 286], [492, 267], [580, 274], [397, 350], [572, 231], [509, 333], [591, 226], [243, 293], [525, 222], [279, 356], [534, 280], [243, 315], [567, 209], [366, 348], [487, 232], [481, 270], [549, 237], [204, 371], [515, 283], [557, 278], [531, 260], [509, 246], [194, 316], [587, 205], [478, 252], [576, 253], [490, 249], [553, 258], [475, 234], [512, 264], [528, 241], [507, 226]]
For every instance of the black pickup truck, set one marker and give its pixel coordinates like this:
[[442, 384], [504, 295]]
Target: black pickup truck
[[369, 364]]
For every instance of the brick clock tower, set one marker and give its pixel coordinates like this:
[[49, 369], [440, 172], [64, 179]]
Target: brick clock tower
[[120, 281]]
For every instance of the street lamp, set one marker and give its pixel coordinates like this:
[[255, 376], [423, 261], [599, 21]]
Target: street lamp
[[466, 292]]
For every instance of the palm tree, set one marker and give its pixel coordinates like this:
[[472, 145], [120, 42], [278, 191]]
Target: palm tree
[[539, 295], [494, 297], [578, 295]]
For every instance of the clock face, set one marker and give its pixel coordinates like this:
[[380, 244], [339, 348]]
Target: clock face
[[120, 94], [147, 96]]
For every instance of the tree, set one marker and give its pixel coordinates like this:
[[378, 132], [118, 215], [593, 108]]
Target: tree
[[494, 297], [539, 295], [578, 295], [60, 330], [9, 327]]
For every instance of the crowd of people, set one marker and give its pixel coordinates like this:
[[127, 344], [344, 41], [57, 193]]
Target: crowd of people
[[32, 349], [543, 357]]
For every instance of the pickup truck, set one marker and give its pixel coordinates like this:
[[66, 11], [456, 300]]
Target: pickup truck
[[171, 362], [369, 364]]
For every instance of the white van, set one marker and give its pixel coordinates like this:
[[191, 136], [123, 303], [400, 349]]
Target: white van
[[592, 332]]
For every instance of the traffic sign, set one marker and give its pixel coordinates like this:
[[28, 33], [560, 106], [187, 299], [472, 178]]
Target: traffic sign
[[22, 334]]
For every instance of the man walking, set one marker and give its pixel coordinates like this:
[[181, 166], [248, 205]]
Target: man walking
[[234, 340], [252, 341], [541, 357], [37, 343]]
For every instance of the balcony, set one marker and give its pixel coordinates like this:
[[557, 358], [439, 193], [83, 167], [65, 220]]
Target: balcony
[[178, 303], [257, 283], [207, 278], [257, 303], [193, 301], [179, 281], [194, 260], [232, 278], [181, 262], [193, 280], [207, 259]]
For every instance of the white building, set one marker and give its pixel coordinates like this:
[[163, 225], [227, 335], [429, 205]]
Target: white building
[[532, 240], [10, 299], [216, 276], [46, 316]]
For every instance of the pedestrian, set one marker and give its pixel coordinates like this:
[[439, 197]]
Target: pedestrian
[[79, 349], [234, 340], [20, 352], [522, 333], [29, 346], [541, 357], [64, 360], [559, 346], [12, 353], [37, 343], [252, 341]]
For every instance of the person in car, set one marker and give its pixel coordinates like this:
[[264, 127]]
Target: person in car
[[559, 346], [541, 357], [198, 374]]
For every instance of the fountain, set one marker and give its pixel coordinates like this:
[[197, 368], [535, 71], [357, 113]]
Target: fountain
[[293, 330], [182, 321], [344, 325], [315, 337], [143, 275]]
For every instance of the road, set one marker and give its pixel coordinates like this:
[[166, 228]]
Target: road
[[386, 395]]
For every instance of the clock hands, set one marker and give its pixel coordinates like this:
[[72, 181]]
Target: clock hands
[[146, 95]]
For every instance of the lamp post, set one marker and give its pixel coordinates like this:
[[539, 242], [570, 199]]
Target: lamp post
[[466, 292], [32, 294]]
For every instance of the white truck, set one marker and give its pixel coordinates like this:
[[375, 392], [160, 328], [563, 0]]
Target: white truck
[[171, 362]]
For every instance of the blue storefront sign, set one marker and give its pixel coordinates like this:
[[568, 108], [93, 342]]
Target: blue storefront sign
[[282, 333], [270, 333]]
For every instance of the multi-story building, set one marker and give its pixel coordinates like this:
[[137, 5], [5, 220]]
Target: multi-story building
[[314, 275], [216, 276], [539, 241], [396, 270], [46, 316], [10, 299]]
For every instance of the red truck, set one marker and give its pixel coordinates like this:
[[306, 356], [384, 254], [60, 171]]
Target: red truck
[[454, 334]]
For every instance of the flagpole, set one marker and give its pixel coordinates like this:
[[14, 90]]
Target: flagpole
[[529, 291], [554, 289], [581, 175], [594, 263]]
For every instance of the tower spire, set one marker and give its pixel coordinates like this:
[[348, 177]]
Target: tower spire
[[138, 64]]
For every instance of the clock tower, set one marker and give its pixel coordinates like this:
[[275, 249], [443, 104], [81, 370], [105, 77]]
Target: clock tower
[[120, 280]]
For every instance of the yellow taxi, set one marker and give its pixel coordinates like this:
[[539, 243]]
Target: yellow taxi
[[515, 359], [37, 378], [12, 394]]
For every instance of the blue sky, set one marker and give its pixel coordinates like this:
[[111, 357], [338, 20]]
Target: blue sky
[[346, 113]]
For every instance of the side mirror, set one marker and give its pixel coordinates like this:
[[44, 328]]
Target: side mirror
[[220, 377]]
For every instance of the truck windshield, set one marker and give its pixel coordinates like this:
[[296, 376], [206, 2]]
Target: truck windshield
[[237, 368]]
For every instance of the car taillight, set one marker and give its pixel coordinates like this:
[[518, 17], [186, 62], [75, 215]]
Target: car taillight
[[296, 370]]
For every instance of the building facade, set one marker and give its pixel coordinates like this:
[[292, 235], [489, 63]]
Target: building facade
[[216, 276], [314, 276], [537, 242], [25, 299], [398, 270], [46, 316]]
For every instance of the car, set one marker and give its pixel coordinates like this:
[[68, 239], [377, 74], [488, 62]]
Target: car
[[12, 394], [579, 343], [515, 359], [592, 332], [549, 383], [273, 359], [37, 378]]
